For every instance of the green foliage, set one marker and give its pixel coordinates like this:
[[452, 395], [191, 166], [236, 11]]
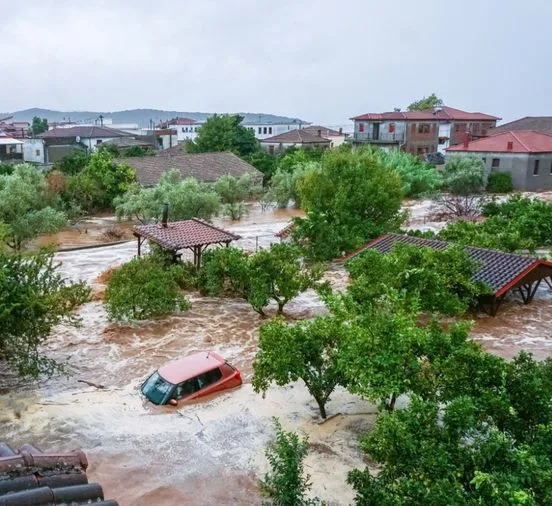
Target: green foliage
[[275, 274], [486, 445], [224, 270], [35, 298], [424, 278], [306, 350], [224, 133], [500, 182], [24, 206], [264, 162], [233, 191], [100, 182], [287, 483], [187, 198], [6, 169], [426, 103], [39, 125], [73, 163], [139, 151], [142, 289], [351, 199], [419, 178], [295, 157], [284, 185], [278, 274], [112, 149], [463, 175], [519, 223]]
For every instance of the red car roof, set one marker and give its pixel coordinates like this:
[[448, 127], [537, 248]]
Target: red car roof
[[188, 367]]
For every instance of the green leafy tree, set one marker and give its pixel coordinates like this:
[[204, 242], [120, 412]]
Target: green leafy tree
[[24, 206], [287, 484], [500, 182], [6, 169], [278, 274], [430, 279], [264, 162], [284, 185], [224, 133], [419, 178], [463, 175], [306, 351], [426, 104], [351, 199], [233, 192], [224, 270], [139, 151], [35, 299], [142, 289], [187, 198], [39, 125], [74, 162]]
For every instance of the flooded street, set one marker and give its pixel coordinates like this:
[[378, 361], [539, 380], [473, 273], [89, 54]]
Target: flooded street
[[212, 451]]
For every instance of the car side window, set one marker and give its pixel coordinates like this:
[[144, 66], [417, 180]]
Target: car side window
[[209, 377], [187, 388]]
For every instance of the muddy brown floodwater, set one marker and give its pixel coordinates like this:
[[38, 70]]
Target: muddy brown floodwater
[[212, 451]]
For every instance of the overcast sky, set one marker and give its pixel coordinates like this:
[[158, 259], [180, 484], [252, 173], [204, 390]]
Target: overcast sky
[[322, 60]]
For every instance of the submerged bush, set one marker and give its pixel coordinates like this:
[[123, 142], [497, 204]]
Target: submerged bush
[[500, 182]]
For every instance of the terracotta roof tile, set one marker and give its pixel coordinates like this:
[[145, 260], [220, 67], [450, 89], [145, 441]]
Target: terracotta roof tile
[[30, 476], [498, 269], [84, 131], [444, 113], [538, 123], [324, 131], [522, 141], [178, 235]]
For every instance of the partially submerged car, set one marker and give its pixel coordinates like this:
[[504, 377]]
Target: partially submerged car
[[194, 376]]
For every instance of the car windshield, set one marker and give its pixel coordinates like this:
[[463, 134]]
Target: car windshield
[[156, 389]]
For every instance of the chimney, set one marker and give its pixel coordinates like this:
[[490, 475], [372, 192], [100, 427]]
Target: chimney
[[340, 131], [510, 146], [165, 217], [319, 133], [466, 139]]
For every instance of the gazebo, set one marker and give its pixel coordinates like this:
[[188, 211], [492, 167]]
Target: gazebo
[[502, 272], [194, 235]]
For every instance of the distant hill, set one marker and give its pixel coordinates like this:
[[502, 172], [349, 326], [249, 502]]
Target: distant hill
[[140, 116]]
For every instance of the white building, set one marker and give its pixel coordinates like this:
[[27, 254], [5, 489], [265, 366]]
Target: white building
[[263, 129], [33, 151], [186, 128]]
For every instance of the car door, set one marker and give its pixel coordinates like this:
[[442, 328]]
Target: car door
[[186, 389], [209, 382]]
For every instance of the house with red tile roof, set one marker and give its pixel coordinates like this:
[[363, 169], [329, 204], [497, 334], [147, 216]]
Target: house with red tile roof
[[525, 154], [420, 132], [299, 138]]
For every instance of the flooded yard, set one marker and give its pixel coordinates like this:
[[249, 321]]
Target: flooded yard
[[212, 451]]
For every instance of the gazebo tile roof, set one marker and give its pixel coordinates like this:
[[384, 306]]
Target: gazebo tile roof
[[184, 234], [497, 269]]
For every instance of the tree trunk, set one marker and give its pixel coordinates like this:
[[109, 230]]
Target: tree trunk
[[280, 307], [391, 405], [322, 408]]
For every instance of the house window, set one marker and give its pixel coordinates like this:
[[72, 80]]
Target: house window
[[484, 160], [264, 130], [423, 128], [456, 128], [361, 127], [37, 152], [183, 129], [98, 142], [495, 164], [269, 130], [551, 168], [536, 168], [271, 149], [260, 130], [391, 128]]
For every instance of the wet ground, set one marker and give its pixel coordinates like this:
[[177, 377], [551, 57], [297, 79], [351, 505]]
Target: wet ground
[[210, 452]]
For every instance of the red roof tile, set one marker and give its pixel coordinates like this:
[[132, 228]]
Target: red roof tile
[[444, 113], [324, 131], [178, 121], [297, 136], [523, 141], [97, 132], [178, 235]]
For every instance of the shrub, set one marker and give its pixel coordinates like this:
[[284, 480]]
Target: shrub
[[224, 270], [463, 175], [142, 289], [500, 182]]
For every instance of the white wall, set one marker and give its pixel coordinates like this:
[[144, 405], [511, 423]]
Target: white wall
[[444, 131], [33, 150], [273, 129]]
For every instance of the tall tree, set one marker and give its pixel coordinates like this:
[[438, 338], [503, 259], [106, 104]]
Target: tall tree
[[24, 206], [426, 103], [352, 198], [224, 133], [39, 125], [35, 298]]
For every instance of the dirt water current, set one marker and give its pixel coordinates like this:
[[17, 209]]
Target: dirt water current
[[209, 452]]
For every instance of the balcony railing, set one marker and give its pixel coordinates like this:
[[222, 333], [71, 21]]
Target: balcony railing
[[381, 137]]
